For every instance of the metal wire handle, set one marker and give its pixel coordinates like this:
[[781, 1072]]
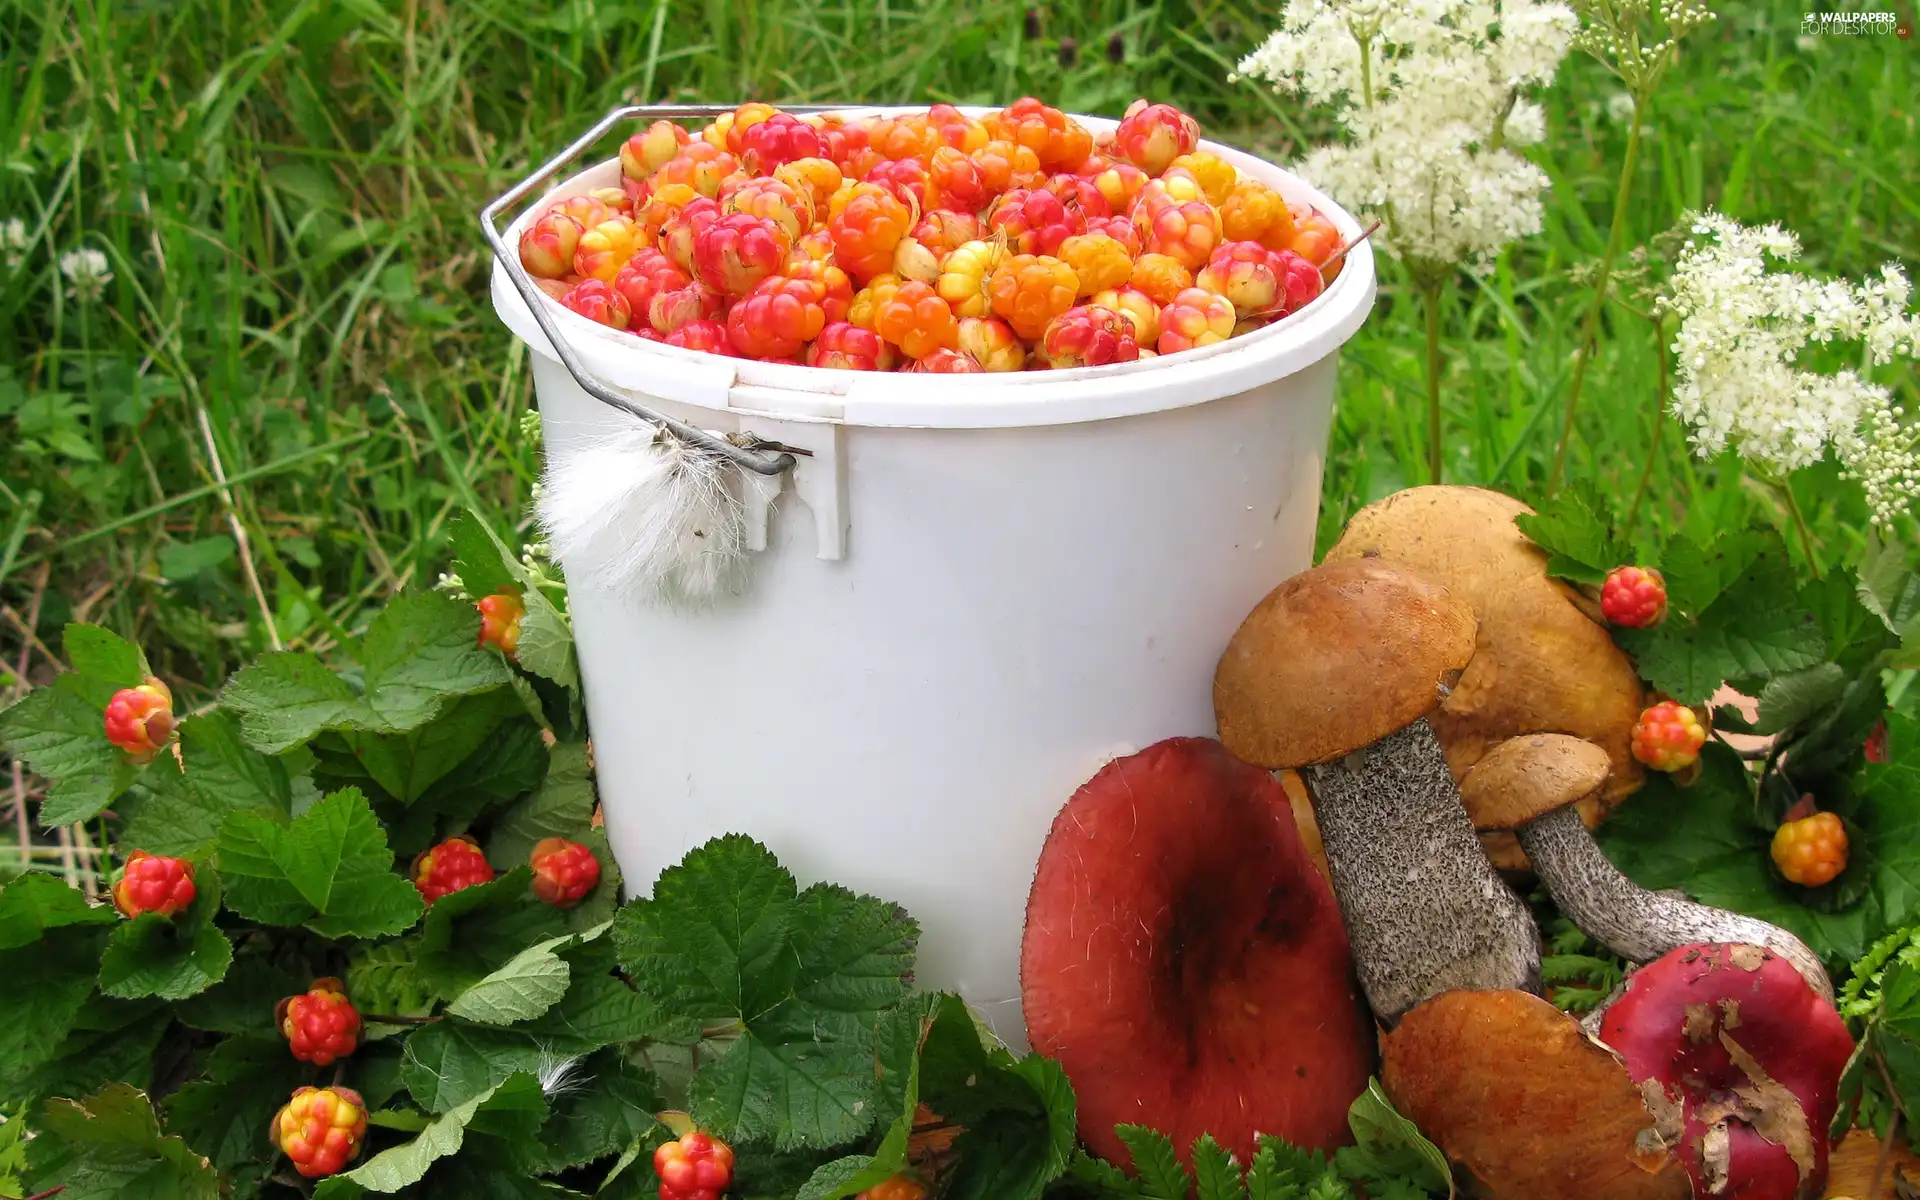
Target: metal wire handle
[[760, 461]]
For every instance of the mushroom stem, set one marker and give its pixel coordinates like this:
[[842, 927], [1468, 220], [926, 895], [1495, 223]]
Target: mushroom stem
[[1633, 922], [1425, 911]]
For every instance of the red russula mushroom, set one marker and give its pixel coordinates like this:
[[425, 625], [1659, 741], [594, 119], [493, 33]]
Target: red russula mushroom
[[1730, 1044], [1185, 961]]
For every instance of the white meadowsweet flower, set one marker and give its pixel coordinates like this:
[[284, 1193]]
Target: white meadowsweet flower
[[86, 272], [1431, 94], [13, 243], [1740, 380]]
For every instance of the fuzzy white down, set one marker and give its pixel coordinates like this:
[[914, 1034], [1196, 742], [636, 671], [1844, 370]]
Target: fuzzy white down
[[641, 514]]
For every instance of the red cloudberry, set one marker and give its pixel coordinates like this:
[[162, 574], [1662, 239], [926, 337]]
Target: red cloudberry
[[139, 720], [1186, 231], [320, 1024], [1151, 136], [781, 203], [1089, 336], [917, 320], [698, 1166], [900, 1187], [596, 300], [454, 864], [1059, 142], [1195, 318], [779, 139], [956, 129], [906, 178], [866, 227], [1033, 221], [706, 335], [1634, 597], [681, 229], [778, 318], [563, 871], [500, 616], [677, 306], [1136, 306], [946, 362], [645, 276], [1078, 193], [1812, 850], [1300, 281], [700, 165], [1668, 736], [1121, 184], [1247, 274], [1030, 290], [548, 245], [320, 1129], [848, 347], [735, 253], [955, 180], [151, 883]]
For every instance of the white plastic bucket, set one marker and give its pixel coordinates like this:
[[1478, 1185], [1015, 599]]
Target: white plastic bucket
[[976, 591]]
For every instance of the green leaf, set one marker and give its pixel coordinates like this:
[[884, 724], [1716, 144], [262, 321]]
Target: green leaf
[[510, 764], [1573, 530], [58, 733], [472, 932], [328, 868], [382, 977], [726, 936], [109, 1147], [1889, 819], [407, 1164], [1787, 700], [169, 957], [898, 1057], [243, 1001], [527, 985], [1887, 586], [1019, 1114], [408, 764], [183, 561], [563, 807], [47, 983], [600, 1009], [1216, 1173], [1154, 1162], [546, 641], [451, 1062], [182, 813], [609, 1108], [35, 902], [421, 652], [1377, 1127], [479, 557], [243, 1081], [285, 698], [104, 657], [1697, 575], [1754, 631]]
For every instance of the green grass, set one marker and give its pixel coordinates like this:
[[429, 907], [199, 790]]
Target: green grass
[[286, 192]]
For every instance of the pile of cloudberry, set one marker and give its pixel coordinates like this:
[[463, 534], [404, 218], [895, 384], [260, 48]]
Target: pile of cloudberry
[[935, 242]]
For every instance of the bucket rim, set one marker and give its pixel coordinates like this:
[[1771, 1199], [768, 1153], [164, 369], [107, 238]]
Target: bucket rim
[[786, 392]]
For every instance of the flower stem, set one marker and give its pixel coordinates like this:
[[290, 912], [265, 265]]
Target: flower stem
[[1800, 527], [1430, 297], [1590, 333], [1659, 419]]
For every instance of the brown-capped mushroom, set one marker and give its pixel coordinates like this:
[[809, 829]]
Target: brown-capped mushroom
[[1335, 673], [1513, 1090], [1531, 786], [1544, 663]]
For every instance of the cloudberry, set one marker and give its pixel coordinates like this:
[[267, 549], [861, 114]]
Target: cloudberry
[[700, 165], [1254, 212], [1033, 221], [1080, 194], [815, 178], [1160, 277], [946, 362], [681, 230], [500, 616], [320, 1024], [955, 129], [320, 1129], [906, 178], [586, 211], [904, 137], [150, 883], [1030, 290], [735, 253], [1634, 597], [917, 320], [1089, 336], [943, 230], [900, 1187], [547, 246], [454, 864], [563, 871], [139, 719], [1059, 142], [1247, 274], [779, 139], [1098, 261], [1216, 175], [1811, 851], [650, 149], [865, 309], [698, 1166], [606, 247], [963, 278], [705, 334], [912, 260], [1195, 318], [1184, 231], [1121, 184], [837, 289], [772, 200], [646, 275], [1314, 237], [1300, 281], [992, 343], [955, 180], [779, 318], [675, 307], [866, 228], [848, 347], [1136, 306], [732, 129], [1005, 165], [596, 300], [1668, 736], [1120, 229], [1151, 136]]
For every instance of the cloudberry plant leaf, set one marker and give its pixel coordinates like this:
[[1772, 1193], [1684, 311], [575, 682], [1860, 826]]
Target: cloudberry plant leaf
[[285, 698], [182, 808], [470, 933], [382, 977], [109, 1146], [329, 869], [1380, 1130], [242, 1002], [1018, 1114], [405, 765], [48, 981], [520, 989], [1573, 529], [1790, 699], [33, 903], [1699, 573], [243, 1081], [600, 1009], [480, 559], [108, 1041], [450, 1062], [407, 1164], [562, 807], [546, 633], [611, 1104], [1888, 585], [104, 659], [1753, 632], [897, 1055], [169, 957], [546, 641], [58, 732], [727, 936], [510, 764], [1888, 817]]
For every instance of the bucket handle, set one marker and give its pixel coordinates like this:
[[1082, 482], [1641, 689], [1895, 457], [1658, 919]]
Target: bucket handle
[[763, 458]]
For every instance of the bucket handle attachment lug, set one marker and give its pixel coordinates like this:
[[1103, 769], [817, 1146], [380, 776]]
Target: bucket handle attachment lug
[[760, 457]]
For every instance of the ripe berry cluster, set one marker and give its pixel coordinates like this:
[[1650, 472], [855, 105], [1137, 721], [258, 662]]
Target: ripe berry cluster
[[933, 242]]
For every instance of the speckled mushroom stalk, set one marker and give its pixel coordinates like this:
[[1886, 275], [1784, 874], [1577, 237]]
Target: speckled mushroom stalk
[[1633, 922], [1334, 673]]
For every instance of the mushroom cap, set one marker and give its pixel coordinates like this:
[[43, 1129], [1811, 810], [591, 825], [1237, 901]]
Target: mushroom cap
[[1732, 1040], [1335, 659], [1530, 776], [1544, 664], [1512, 1089]]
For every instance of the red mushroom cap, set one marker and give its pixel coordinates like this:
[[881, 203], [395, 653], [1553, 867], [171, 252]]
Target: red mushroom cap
[[1185, 961], [1741, 1060]]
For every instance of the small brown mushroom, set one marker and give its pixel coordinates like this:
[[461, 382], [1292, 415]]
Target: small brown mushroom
[[1544, 664], [1512, 1089], [1531, 785], [1335, 673]]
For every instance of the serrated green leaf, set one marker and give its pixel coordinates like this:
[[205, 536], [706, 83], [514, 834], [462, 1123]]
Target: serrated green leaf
[[104, 657], [285, 698], [546, 641], [382, 978], [243, 1081], [607, 1108], [522, 988], [404, 1165], [421, 652], [1216, 1173], [407, 765], [451, 1062], [1889, 819], [1019, 1115], [1380, 1129], [58, 733], [1154, 1162], [472, 932], [168, 957], [328, 868], [109, 1147], [1754, 631], [563, 807], [1109, 1182], [1698, 574], [47, 983], [1789, 699], [600, 1009], [109, 1041], [510, 764], [33, 903], [183, 809], [1887, 585], [242, 1002], [1573, 530], [479, 558], [898, 1057], [1264, 1180]]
